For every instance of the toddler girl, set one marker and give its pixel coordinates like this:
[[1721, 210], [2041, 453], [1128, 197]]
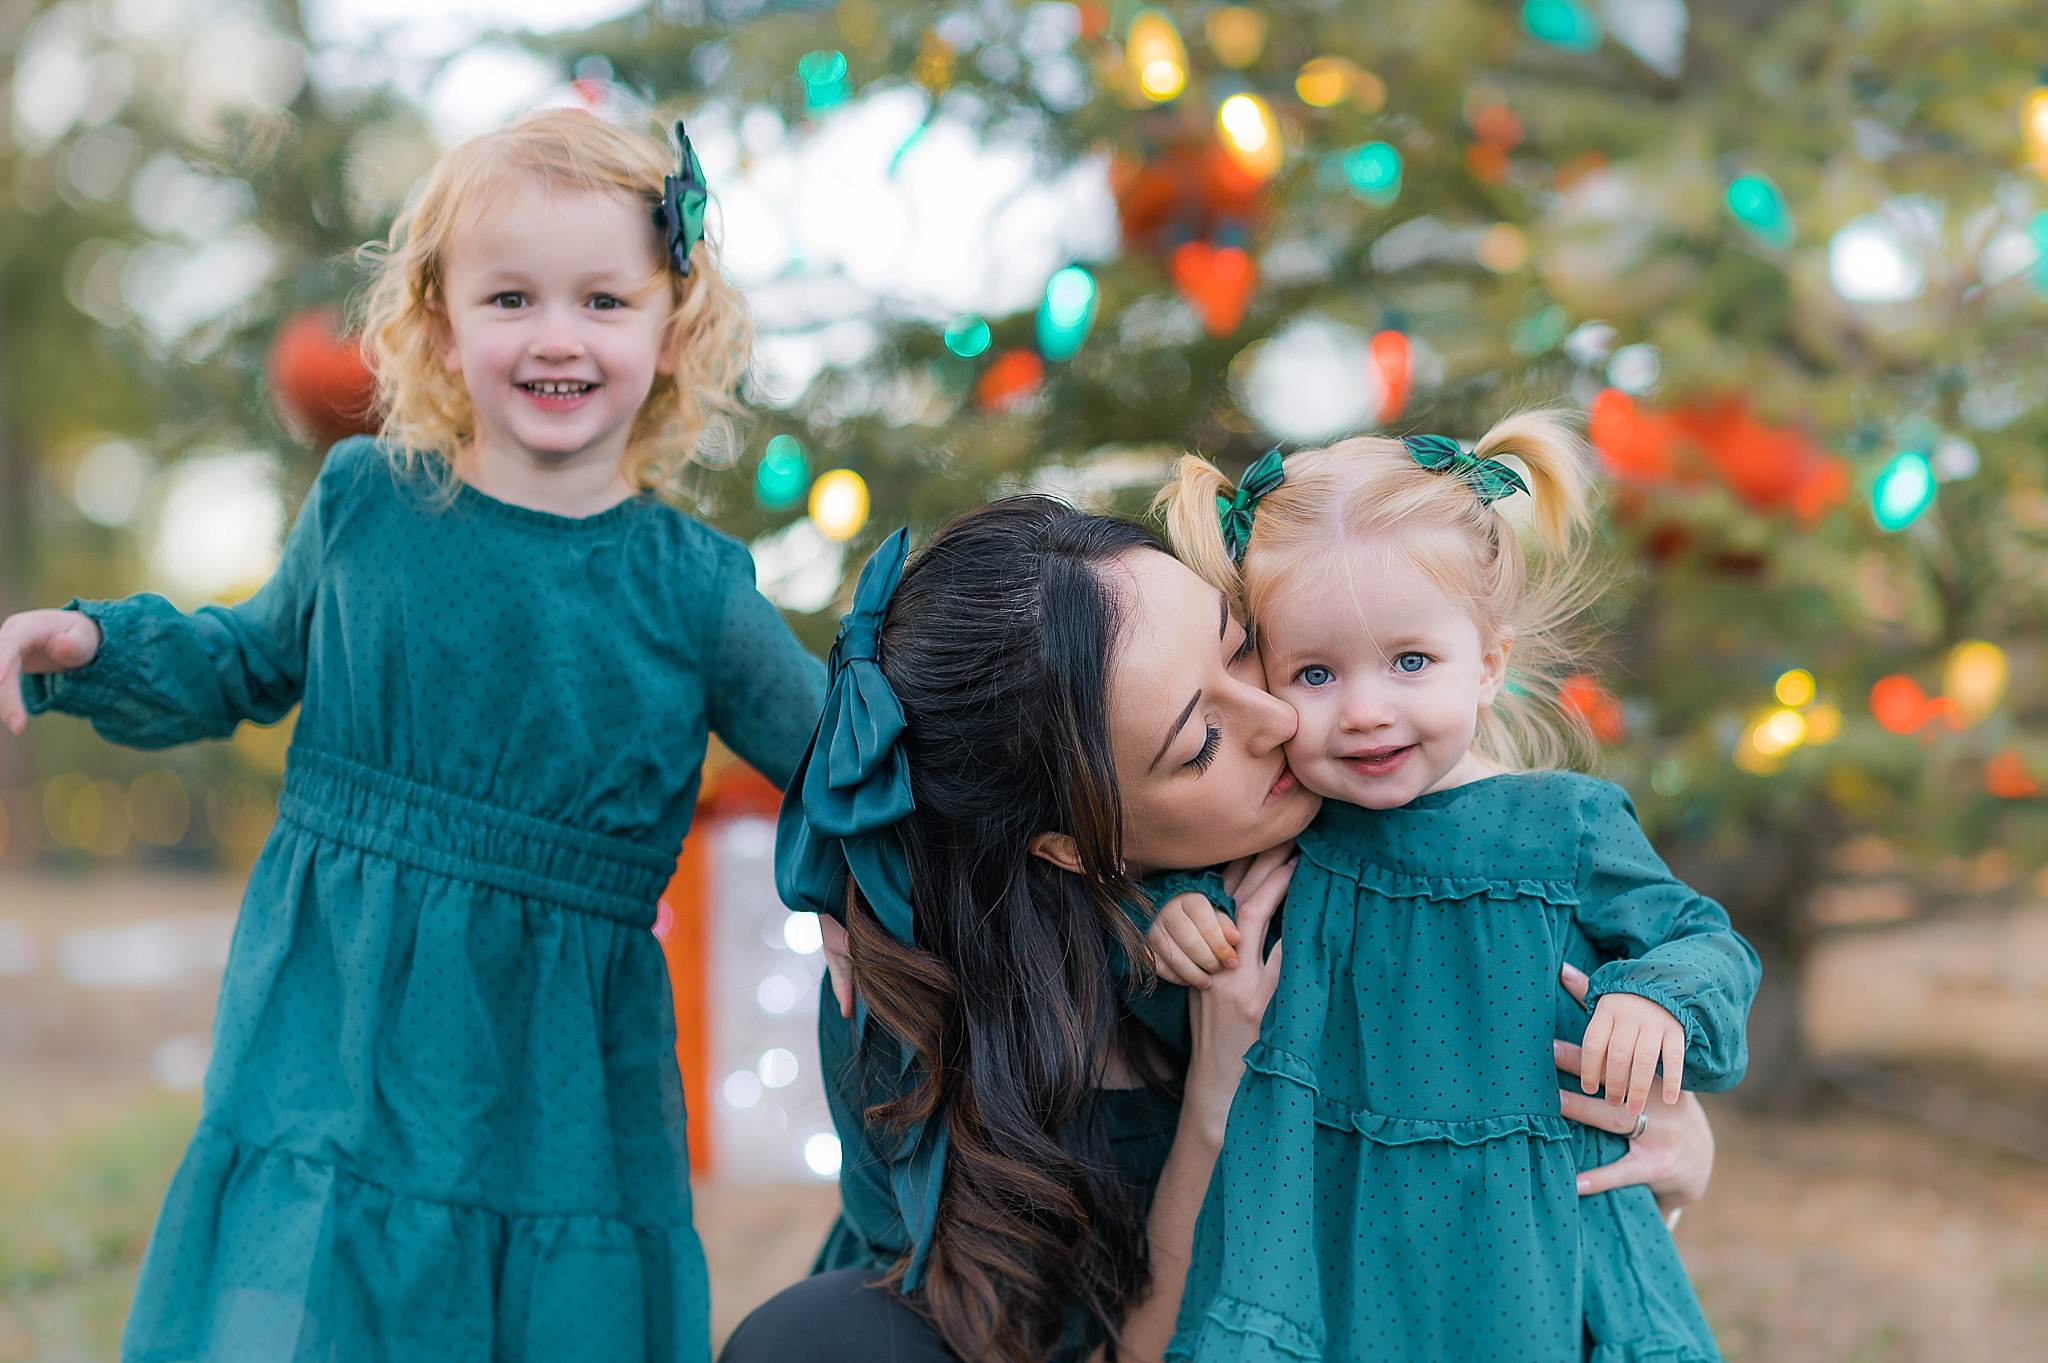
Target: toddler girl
[[1397, 1182], [443, 1118]]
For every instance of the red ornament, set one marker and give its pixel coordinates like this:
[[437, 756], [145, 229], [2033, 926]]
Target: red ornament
[[2007, 777], [1497, 124], [1584, 696], [1632, 443], [1188, 191], [1898, 703], [1487, 161], [1391, 355], [323, 385], [1217, 282], [1010, 379]]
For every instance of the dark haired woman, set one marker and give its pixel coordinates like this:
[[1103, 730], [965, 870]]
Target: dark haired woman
[[1047, 708]]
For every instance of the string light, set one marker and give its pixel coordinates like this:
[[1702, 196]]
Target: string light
[[1067, 313], [1374, 173], [967, 336], [779, 482], [1974, 680], [1155, 56], [1236, 35], [1250, 135], [2034, 128], [1903, 490], [824, 77], [1561, 23], [839, 504], [1795, 689], [1758, 205]]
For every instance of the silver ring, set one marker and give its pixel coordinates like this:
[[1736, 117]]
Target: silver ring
[[1642, 1125]]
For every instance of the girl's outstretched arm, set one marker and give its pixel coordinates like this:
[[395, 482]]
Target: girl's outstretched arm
[[1225, 1022], [763, 690], [36, 643], [159, 676]]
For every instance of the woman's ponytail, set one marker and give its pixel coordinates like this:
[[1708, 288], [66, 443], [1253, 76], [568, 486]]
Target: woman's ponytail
[[1559, 472]]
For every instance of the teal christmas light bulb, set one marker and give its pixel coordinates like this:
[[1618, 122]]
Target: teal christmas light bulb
[[1374, 173], [1067, 313], [1561, 23], [784, 474], [2037, 232], [824, 77], [1758, 205], [967, 336], [1904, 488]]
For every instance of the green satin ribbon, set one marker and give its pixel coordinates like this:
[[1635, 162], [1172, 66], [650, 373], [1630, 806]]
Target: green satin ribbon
[[684, 197], [1489, 478], [838, 820], [1235, 511]]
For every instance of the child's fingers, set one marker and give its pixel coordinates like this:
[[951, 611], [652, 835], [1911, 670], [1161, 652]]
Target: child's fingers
[[1643, 1069], [1621, 1054], [1182, 931], [1593, 1052], [1172, 964], [1674, 1064], [1202, 916]]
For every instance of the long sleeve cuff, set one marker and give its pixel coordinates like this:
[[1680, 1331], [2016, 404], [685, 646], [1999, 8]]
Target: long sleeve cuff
[[107, 679]]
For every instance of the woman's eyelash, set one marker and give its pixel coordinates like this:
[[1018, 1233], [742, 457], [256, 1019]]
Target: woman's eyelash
[[1210, 743], [1245, 647]]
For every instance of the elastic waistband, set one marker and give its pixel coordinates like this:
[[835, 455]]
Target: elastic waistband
[[388, 816]]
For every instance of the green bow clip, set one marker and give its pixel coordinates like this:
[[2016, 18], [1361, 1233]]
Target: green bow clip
[[1489, 478], [1235, 512], [680, 214]]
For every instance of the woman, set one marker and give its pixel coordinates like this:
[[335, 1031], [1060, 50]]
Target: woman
[[1049, 708]]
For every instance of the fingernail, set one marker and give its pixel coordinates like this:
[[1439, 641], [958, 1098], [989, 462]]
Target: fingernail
[[1585, 1185]]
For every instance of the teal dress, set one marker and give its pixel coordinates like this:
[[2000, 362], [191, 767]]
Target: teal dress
[[443, 1119], [1396, 1183]]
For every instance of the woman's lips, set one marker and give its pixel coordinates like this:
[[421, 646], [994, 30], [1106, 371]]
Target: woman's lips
[[1379, 762], [1284, 785]]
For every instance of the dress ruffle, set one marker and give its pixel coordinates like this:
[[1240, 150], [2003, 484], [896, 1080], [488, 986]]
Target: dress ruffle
[[1382, 1129], [1234, 1331], [278, 1257]]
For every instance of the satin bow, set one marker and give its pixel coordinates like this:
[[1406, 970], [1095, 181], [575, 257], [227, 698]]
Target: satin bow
[[1489, 478], [1235, 512], [839, 819], [680, 214]]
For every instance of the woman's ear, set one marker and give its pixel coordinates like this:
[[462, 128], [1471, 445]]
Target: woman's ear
[[1059, 849]]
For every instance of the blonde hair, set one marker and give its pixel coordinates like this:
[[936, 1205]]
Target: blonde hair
[[1372, 486], [427, 411]]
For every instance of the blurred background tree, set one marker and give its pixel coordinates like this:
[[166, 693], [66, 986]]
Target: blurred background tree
[[1787, 256]]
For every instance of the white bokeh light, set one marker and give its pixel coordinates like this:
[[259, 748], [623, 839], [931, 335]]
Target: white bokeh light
[[108, 482], [1872, 261], [221, 523], [778, 1068], [1313, 380], [822, 1154], [801, 932]]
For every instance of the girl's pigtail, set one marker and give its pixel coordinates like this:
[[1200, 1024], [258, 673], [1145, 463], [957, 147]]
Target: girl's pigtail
[[1196, 531], [1559, 470]]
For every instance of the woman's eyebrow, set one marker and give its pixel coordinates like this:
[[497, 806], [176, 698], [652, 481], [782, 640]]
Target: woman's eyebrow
[[1178, 725], [1223, 608]]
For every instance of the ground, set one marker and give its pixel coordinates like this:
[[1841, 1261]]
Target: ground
[[1845, 1235]]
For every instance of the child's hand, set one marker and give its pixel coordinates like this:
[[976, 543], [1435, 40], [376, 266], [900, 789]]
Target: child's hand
[[41, 641], [1623, 1042], [1190, 941]]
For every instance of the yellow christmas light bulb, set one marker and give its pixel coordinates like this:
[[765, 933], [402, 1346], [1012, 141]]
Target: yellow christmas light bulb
[[1823, 724], [1236, 35], [2034, 130], [1251, 135], [1974, 679], [839, 504], [1156, 57], [1324, 81], [1779, 732], [1795, 688]]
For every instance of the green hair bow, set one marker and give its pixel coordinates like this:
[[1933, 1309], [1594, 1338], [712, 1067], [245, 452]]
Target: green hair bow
[[680, 215], [1489, 478], [1235, 512]]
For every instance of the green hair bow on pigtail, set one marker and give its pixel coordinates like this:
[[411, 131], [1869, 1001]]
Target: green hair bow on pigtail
[[1489, 478], [1235, 512]]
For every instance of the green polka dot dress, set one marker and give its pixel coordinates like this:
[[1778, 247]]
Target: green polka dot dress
[[443, 1118], [1396, 1183]]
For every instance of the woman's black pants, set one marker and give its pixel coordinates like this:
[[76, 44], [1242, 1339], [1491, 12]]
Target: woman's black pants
[[842, 1317]]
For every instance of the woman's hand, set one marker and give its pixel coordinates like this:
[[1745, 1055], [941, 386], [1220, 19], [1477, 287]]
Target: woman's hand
[[1223, 1020], [1674, 1156], [41, 641]]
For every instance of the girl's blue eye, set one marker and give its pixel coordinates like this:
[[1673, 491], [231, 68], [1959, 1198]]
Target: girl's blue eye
[[1411, 662], [1316, 676], [605, 302], [507, 300]]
